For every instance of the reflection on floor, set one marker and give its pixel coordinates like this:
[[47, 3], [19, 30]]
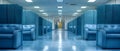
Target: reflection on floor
[[60, 40]]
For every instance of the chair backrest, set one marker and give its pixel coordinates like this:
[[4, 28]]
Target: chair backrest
[[28, 27], [110, 28], [9, 28], [91, 27]]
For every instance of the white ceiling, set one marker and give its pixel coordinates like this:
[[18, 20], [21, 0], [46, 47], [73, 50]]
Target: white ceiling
[[50, 6]]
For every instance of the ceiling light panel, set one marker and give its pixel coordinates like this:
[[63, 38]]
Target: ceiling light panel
[[59, 10], [28, 0], [59, 0], [44, 13], [79, 10], [83, 6], [75, 13], [60, 6], [91, 0], [41, 10], [36, 7]]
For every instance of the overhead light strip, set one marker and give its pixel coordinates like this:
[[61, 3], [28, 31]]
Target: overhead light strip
[[28, 0], [60, 6], [41, 10], [79, 10], [91, 0], [59, 10], [59, 0], [36, 7], [83, 6]]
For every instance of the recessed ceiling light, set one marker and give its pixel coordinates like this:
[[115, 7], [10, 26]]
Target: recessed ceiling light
[[79, 10], [59, 10], [59, 0], [28, 0], [44, 13], [41, 10], [75, 13], [60, 6], [91, 0], [36, 7], [83, 6]]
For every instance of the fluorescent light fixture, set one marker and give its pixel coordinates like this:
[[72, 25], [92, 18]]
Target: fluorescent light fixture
[[59, 10], [44, 13], [28, 0], [79, 10], [60, 13], [41, 10], [59, 0], [83, 6], [75, 13], [91, 0], [36, 7], [60, 6]]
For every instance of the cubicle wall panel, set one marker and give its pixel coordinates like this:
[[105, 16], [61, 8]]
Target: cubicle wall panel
[[18, 14], [40, 26], [116, 14], [101, 15], [3, 14], [29, 17], [108, 14], [79, 25], [11, 14], [8, 13]]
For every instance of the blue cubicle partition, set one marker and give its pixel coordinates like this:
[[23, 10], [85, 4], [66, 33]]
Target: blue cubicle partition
[[10, 14], [10, 19], [108, 20], [40, 26], [89, 17], [72, 26], [108, 14], [47, 26], [30, 18], [79, 25]]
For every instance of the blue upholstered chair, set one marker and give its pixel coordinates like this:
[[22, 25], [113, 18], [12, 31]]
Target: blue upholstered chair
[[108, 36], [10, 36], [90, 32], [29, 32]]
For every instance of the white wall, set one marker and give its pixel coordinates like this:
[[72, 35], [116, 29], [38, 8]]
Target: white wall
[[5, 2], [114, 2]]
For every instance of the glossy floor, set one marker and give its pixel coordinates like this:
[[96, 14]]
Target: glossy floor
[[60, 40]]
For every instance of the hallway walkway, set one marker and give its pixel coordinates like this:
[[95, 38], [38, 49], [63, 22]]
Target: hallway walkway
[[59, 40]]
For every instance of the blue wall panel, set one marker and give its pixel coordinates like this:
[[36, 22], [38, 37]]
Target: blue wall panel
[[101, 15], [3, 14], [8, 14], [47, 26], [18, 14], [108, 14], [29, 17]]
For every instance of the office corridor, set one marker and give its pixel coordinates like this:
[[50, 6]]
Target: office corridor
[[60, 40]]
